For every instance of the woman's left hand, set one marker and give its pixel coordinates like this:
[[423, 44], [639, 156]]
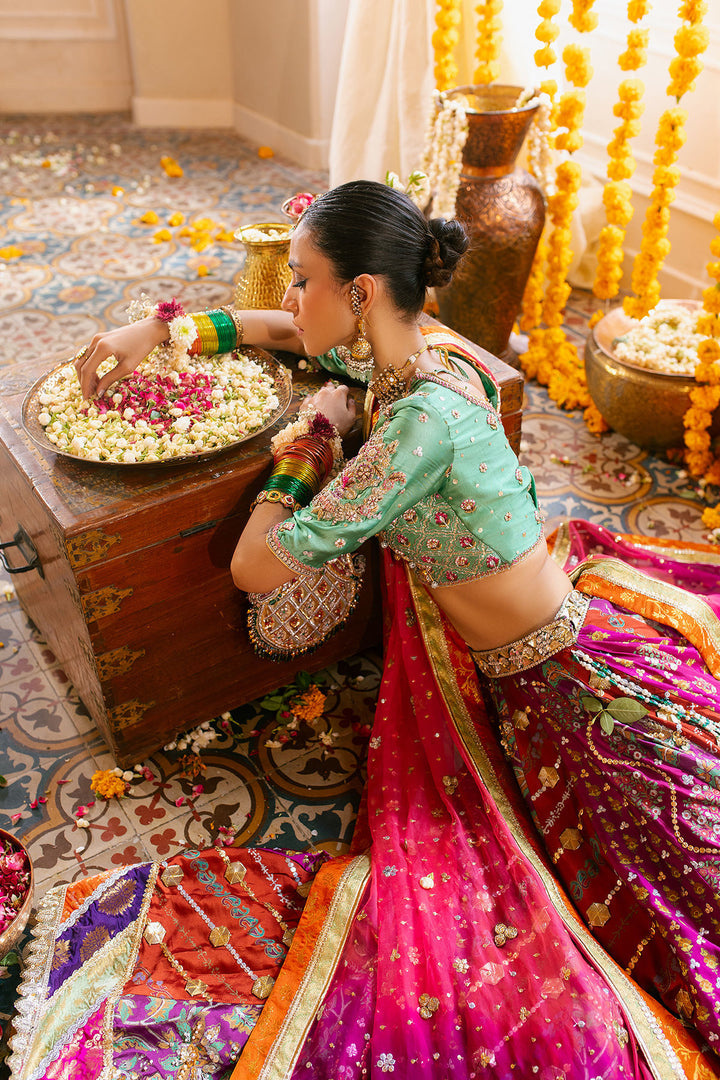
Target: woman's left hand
[[336, 403]]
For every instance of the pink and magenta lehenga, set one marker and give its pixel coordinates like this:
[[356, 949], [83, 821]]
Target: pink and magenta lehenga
[[445, 946]]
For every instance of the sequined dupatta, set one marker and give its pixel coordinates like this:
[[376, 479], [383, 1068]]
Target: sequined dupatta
[[460, 956]]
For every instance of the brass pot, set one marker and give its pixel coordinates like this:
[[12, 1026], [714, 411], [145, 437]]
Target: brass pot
[[13, 932], [645, 406], [503, 210], [266, 274]]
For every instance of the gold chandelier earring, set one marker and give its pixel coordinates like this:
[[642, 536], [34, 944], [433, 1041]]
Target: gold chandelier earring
[[359, 359]]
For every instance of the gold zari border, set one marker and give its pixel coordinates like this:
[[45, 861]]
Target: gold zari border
[[702, 627], [293, 1031], [660, 1057]]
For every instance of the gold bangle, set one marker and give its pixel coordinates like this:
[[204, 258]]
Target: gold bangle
[[239, 330]]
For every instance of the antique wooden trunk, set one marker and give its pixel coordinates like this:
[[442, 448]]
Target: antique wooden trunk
[[125, 571]]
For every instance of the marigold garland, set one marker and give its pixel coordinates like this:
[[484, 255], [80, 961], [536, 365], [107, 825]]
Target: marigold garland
[[551, 358], [444, 40], [690, 41], [489, 39], [705, 397]]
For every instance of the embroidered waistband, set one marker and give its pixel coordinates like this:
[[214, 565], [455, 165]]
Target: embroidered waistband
[[540, 644]]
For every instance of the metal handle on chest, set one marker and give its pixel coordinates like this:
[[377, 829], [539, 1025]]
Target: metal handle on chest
[[27, 549]]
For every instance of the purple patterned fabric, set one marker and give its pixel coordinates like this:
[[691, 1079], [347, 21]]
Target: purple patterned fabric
[[115, 904]]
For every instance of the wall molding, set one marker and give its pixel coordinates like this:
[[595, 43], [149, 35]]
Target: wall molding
[[303, 150], [78, 20]]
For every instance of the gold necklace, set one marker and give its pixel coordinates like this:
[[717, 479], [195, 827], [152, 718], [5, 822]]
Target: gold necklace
[[391, 383]]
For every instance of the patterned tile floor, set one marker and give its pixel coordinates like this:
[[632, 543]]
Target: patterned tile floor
[[85, 254]]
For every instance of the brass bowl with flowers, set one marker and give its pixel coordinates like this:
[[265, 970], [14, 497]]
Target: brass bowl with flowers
[[647, 406], [16, 890]]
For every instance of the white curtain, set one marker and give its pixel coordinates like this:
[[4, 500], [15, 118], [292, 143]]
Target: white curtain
[[384, 90], [384, 98]]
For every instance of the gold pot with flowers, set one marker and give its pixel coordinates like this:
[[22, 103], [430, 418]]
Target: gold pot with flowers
[[640, 372]]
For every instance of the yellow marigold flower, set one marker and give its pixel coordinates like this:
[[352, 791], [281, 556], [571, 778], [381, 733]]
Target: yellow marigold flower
[[683, 73], [632, 59], [697, 440], [711, 299], [704, 398], [202, 270], [671, 128], [224, 236], [691, 40], [629, 129], [712, 475], [637, 10], [310, 705], [693, 11], [547, 31], [628, 110], [709, 325], [170, 166], [149, 218], [176, 219], [595, 421], [621, 168], [548, 8], [697, 419], [162, 235], [709, 351], [595, 318], [577, 64], [711, 517], [631, 89], [698, 461], [715, 245], [713, 269], [200, 241], [107, 784], [265, 152], [716, 220], [549, 87], [569, 173], [666, 176], [569, 140], [545, 57], [116, 191], [11, 251]]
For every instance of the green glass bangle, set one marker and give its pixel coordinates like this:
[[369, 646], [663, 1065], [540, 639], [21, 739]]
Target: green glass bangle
[[225, 329], [290, 485]]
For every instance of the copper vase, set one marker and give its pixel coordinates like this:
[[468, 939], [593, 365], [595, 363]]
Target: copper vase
[[503, 209]]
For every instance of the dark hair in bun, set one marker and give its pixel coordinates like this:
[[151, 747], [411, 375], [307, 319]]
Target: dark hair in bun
[[448, 243], [368, 228]]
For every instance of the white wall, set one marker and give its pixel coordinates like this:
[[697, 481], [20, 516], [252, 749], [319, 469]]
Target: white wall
[[63, 56]]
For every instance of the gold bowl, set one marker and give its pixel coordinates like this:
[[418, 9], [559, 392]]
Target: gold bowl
[[13, 932], [645, 406]]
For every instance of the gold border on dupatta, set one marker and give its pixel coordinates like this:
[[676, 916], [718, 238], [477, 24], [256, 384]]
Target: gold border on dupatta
[[285, 1051], [32, 988], [659, 1055], [618, 573]]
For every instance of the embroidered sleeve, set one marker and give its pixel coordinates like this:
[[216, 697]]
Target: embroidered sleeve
[[406, 458]]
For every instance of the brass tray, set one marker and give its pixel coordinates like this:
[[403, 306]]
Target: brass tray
[[282, 387], [616, 323]]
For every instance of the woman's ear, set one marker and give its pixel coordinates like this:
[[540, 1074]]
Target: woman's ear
[[368, 289]]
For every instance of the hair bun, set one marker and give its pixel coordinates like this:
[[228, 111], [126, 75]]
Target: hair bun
[[447, 243]]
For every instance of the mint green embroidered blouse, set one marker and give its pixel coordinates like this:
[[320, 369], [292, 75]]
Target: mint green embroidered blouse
[[437, 482]]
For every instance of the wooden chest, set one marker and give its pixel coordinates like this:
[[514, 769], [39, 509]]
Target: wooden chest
[[125, 573]]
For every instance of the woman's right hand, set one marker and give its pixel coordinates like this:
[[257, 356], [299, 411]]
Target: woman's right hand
[[127, 345]]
